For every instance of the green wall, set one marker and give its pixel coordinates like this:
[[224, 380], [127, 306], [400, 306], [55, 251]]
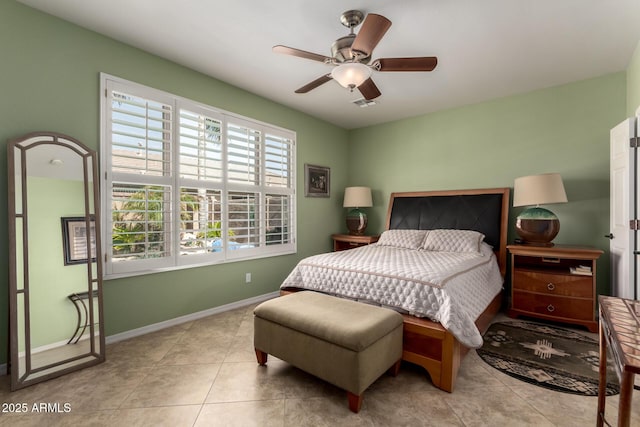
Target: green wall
[[563, 129], [633, 83], [49, 80]]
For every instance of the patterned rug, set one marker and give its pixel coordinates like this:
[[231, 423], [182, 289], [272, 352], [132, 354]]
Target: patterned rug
[[555, 358]]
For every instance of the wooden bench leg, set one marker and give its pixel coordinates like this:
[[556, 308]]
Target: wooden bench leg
[[394, 370], [262, 357], [355, 402]]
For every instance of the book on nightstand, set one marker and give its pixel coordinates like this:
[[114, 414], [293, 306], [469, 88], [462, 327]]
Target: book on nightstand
[[583, 270]]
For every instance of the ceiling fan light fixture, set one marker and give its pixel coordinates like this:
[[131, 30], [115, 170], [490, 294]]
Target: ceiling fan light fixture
[[351, 55], [351, 74]]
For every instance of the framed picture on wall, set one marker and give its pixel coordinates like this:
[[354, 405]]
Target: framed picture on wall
[[74, 240], [316, 181]]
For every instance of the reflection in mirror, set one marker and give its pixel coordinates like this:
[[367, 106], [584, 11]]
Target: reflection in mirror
[[55, 268]]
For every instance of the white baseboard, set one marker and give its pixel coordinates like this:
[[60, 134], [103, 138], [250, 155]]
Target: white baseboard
[[178, 320], [110, 339]]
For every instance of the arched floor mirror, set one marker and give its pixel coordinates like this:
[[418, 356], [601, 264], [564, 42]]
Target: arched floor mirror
[[55, 268]]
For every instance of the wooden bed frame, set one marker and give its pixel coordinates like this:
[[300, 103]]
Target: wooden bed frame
[[425, 342]]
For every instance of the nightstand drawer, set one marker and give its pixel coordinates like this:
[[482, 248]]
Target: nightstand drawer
[[342, 242], [556, 306], [343, 246], [553, 284]]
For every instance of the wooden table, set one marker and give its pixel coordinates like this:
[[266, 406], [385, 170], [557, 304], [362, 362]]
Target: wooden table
[[620, 330]]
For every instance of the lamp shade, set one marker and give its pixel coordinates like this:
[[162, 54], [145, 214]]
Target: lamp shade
[[541, 189], [351, 74], [357, 197]]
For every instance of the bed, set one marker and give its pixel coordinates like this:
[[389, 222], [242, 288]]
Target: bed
[[437, 346]]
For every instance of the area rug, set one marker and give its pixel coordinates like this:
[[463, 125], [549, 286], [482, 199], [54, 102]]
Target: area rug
[[555, 358]]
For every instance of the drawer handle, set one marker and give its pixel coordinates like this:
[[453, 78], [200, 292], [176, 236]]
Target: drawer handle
[[553, 260], [551, 286], [550, 308], [353, 244]]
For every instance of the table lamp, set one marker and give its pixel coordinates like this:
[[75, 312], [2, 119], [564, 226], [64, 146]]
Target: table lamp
[[356, 198], [535, 225]]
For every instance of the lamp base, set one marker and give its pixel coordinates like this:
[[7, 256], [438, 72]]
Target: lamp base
[[537, 226], [538, 244], [356, 222]]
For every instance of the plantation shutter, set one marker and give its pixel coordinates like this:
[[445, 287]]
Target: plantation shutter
[[187, 184], [141, 135]]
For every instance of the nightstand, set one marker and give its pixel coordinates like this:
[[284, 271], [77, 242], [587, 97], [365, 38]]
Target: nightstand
[[343, 242], [556, 283]]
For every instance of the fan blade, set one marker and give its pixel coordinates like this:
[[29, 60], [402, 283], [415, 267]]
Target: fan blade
[[300, 53], [373, 29], [314, 84], [427, 63], [369, 90]]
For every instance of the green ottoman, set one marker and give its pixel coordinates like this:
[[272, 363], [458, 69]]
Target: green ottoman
[[346, 343]]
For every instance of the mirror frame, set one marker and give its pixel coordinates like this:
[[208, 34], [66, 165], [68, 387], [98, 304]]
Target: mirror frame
[[16, 152]]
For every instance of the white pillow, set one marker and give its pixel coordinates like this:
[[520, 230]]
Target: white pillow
[[409, 239], [453, 240]]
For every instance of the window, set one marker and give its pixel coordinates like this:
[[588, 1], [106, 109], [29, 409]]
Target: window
[[186, 184]]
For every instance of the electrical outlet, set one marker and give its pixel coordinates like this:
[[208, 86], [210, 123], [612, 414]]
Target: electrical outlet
[[247, 278]]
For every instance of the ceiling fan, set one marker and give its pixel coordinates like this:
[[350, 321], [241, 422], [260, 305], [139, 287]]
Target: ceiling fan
[[351, 55]]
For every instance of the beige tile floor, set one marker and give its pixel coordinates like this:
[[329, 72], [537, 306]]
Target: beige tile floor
[[204, 373]]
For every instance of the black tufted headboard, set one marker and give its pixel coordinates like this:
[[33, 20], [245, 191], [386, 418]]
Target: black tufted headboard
[[483, 210]]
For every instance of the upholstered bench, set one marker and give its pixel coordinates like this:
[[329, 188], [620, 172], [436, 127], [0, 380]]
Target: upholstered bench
[[346, 343]]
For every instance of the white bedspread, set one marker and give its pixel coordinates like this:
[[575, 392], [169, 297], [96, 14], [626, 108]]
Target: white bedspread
[[452, 288]]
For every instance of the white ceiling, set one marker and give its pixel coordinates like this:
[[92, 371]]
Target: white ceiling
[[486, 48]]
